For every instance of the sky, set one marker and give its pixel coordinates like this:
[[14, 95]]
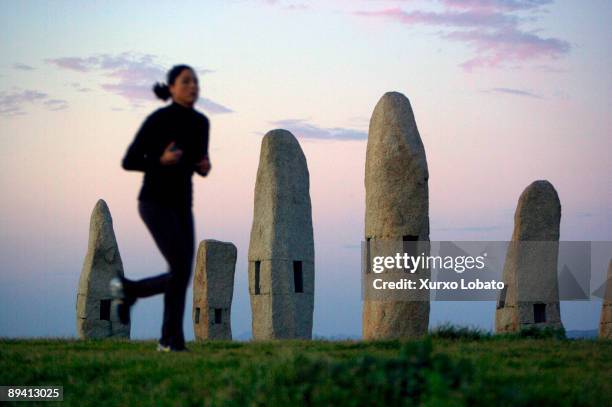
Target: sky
[[504, 92]]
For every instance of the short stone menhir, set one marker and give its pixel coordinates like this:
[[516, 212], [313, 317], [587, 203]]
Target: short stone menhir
[[531, 295], [213, 288], [281, 250], [397, 209], [94, 305]]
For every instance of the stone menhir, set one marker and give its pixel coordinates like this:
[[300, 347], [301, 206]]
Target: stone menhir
[[213, 288], [530, 297], [281, 249], [95, 318], [605, 321], [397, 209]]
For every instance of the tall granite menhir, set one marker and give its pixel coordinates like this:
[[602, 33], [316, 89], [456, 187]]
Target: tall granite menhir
[[213, 287], [281, 250], [605, 320], [95, 318], [531, 295], [397, 209]]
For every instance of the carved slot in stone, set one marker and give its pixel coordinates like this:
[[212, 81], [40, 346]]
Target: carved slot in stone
[[257, 277], [218, 315], [410, 245], [502, 298], [298, 280], [539, 313], [105, 306]]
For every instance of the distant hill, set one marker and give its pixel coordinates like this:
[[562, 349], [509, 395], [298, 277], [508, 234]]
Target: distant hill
[[573, 334]]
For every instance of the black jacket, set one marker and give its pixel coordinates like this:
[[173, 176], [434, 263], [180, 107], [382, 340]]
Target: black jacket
[[168, 184]]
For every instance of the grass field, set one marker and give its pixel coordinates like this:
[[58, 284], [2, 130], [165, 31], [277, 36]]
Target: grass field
[[442, 370]]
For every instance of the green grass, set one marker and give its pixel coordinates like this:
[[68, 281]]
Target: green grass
[[457, 367]]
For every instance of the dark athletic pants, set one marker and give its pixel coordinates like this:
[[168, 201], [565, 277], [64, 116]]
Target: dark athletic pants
[[173, 232]]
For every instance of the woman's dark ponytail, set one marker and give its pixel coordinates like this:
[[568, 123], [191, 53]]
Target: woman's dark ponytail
[[162, 91]]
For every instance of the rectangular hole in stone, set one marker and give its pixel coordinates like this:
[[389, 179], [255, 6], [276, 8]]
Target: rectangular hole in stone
[[197, 315], [218, 315], [105, 306], [502, 298], [539, 313], [410, 245], [298, 281], [257, 277]]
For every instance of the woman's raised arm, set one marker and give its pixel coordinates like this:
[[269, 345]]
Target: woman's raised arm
[[203, 166]]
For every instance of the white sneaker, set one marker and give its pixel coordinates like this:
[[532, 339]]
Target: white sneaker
[[116, 288], [121, 304], [162, 348]]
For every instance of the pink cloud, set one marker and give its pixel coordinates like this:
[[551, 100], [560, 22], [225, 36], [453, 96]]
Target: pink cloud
[[73, 63], [303, 129], [290, 6], [132, 75], [487, 26], [499, 5], [495, 48], [56, 104], [13, 103], [22, 67], [297, 7], [448, 19], [516, 92]]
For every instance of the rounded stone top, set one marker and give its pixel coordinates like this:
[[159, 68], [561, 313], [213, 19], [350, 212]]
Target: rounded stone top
[[541, 186], [100, 214], [540, 194], [280, 137], [393, 122], [538, 213], [280, 148], [394, 97], [101, 205], [394, 104]]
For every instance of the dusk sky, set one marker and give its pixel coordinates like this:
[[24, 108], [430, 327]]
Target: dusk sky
[[505, 92]]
